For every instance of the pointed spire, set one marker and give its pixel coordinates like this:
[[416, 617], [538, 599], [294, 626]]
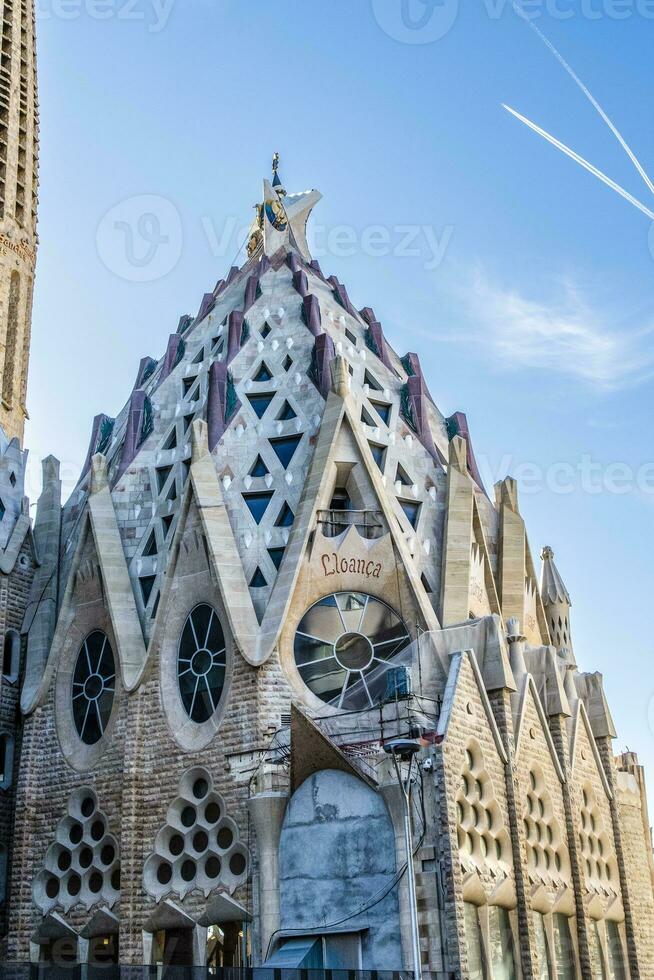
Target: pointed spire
[[557, 603]]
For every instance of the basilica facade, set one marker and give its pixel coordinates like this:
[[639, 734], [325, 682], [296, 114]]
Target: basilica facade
[[279, 579]]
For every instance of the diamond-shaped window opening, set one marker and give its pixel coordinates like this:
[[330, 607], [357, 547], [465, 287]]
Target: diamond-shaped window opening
[[187, 385], [411, 511], [163, 472], [258, 504], [350, 336], [287, 363], [217, 345], [285, 448], [383, 410], [372, 382], [171, 441], [261, 403], [12, 478], [188, 421], [199, 357], [263, 373], [425, 584], [259, 468], [258, 580], [167, 524], [366, 417], [403, 477], [378, 454], [172, 493], [3, 510], [285, 517], [276, 555], [265, 330], [151, 547], [287, 412], [147, 584]]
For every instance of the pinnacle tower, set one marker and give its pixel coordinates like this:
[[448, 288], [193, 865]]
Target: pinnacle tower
[[18, 205]]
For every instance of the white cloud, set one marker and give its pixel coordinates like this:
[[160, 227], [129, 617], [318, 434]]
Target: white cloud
[[566, 337]]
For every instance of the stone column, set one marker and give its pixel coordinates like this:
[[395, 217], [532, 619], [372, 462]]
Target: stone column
[[501, 704], [393, 798], [560, 738], [267, 809], [605, 749]]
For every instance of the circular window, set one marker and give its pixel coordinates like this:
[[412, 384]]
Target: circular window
[[94, 684], [344, 646], [201, 663]]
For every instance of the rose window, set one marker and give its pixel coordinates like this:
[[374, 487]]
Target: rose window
[[345, 645], [94, 685], [201, 663]]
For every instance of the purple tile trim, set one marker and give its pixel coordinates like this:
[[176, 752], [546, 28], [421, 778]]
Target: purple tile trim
[[232, 275], [144, 366], [293, 262], [93, 442], [300, 282], [315, 265], [312, 317], [252, 292], [342, 296], [234, 333], [459, 423], [217, 403], [217, 289], [172, 351], [206, 306], [418, 402], [184, 323], [132, 430], [264, 265], [324, 357]]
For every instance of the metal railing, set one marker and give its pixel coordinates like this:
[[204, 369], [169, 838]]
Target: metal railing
[[367, 522]]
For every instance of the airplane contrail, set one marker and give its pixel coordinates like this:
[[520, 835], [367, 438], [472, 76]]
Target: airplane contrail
[[580, 160], [589, 95]]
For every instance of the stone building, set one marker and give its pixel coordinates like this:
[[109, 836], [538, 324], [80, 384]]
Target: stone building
[[280, 558], [18, 556]]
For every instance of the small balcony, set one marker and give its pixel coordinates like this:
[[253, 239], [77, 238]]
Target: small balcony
[[368, 523]]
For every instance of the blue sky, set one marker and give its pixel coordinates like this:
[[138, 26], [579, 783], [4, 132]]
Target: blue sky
[[526, 286]]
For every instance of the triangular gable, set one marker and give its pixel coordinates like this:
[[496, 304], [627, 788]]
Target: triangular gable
[[449, 696], [529, 687], [339, 410], [582, 722], [226, 566], [99, 522]]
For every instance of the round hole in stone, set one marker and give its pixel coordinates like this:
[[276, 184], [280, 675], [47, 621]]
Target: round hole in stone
[[212, 812], [188, 816], [200, 841], [95, 882], [225, 838], [164, 873], [52, 887], [74, 885], [63, 860], [97, 829], [75, 833], [188, 870], [115, 880], [176, 845], [237, 864], [85, 857], [200, 788], [88, 806], [107, 854], [212, 867]]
